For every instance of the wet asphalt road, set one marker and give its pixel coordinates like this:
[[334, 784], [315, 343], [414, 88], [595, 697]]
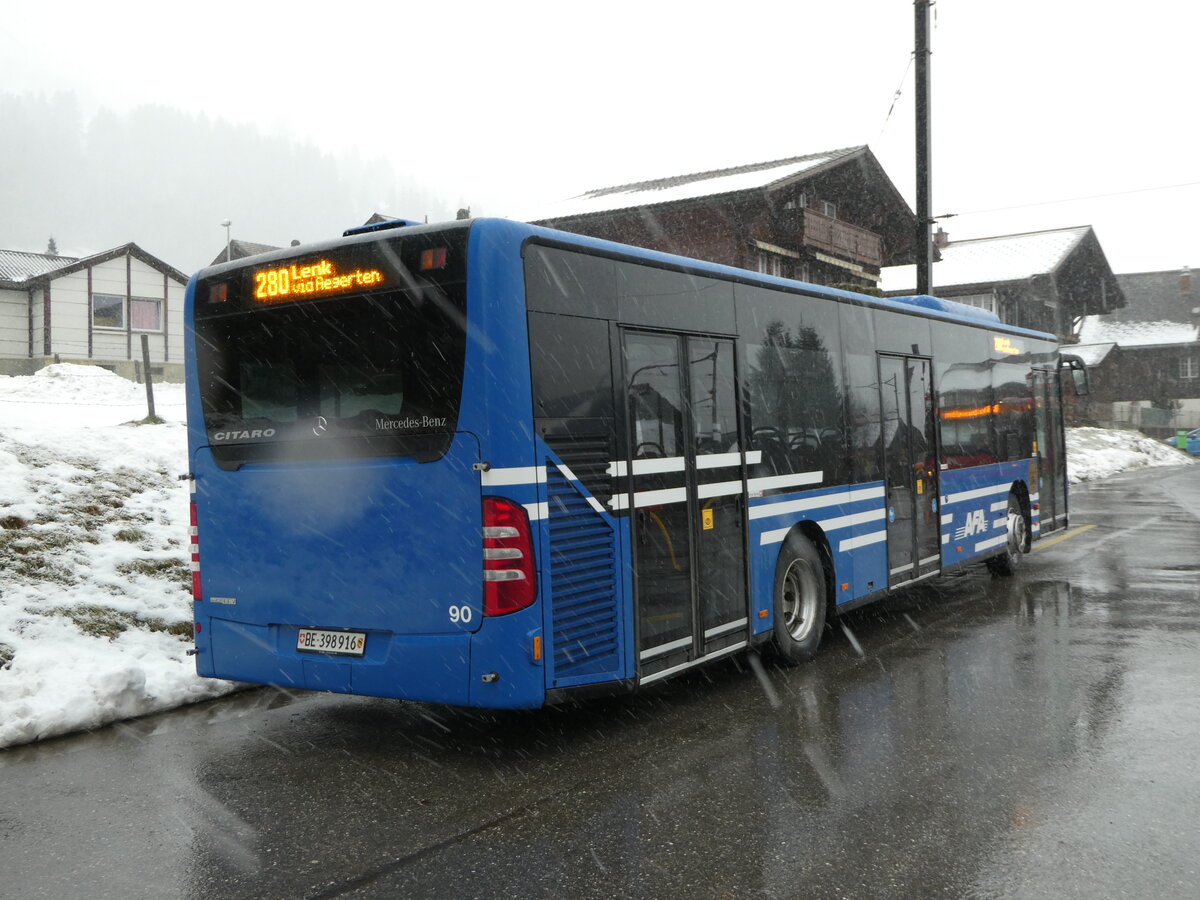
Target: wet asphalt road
[[1034, 737]]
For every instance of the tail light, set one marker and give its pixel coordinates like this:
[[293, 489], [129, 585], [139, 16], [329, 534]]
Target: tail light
[[194, 547], [508, 577]]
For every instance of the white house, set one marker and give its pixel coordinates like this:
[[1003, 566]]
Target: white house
[[91, 310]]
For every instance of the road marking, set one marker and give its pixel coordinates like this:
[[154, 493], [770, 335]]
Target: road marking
[[1050, 542]]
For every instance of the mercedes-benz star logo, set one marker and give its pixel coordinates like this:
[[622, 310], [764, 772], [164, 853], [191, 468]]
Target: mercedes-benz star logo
[[320, 426]]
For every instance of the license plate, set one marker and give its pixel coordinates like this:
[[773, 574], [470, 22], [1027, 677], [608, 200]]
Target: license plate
[[343, 643]]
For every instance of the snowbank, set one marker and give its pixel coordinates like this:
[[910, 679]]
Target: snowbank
[[1094, 453], [95, 604]]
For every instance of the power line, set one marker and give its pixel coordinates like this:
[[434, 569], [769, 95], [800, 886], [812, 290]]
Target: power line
[[1146, 190], [896, 96]]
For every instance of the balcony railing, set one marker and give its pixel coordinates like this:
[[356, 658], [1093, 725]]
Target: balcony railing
[[832, 236]]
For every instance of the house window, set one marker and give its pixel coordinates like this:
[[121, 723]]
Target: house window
[[108, 311], [770, 264], [145, 314], [829, 209], [1189, 367]]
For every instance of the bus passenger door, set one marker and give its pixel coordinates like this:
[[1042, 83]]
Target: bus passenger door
[[1052, 460], [686, 498], [910, 467]]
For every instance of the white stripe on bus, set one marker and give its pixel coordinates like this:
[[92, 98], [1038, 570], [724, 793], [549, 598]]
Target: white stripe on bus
[[786, 507], [991, 542], [724, 651], [718, 489], [537, 511], [517, 475], [929, 559], [718, 460], [999, 505], [724, 460], [665, 648], [864, 540], [776, 535], [649, 498], [578, 485], [725, 629], [771, 482], [620, 468], [963, 496]]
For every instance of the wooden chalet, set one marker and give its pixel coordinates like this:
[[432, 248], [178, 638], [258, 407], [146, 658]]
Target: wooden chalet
[[828, 218], [1045, 280]]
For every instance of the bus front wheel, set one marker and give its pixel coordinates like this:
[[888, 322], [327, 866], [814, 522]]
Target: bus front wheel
[[1009, 561], [799, 600]]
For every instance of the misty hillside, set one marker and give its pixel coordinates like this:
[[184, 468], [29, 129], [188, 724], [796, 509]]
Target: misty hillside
[[166, 179]]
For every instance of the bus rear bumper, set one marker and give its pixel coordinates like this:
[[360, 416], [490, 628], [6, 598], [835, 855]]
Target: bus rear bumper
[[426, 668]]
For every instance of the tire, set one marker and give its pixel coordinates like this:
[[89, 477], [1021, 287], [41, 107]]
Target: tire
[[800, 599], [1008, 562]]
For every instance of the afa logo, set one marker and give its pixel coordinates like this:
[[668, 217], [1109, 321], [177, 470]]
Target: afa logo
[[976, 524]]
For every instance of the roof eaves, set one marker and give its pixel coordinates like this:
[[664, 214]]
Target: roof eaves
[[96, 259], [1085, 232], [959, 290], [675, 180], [678, 204], [836, 158]]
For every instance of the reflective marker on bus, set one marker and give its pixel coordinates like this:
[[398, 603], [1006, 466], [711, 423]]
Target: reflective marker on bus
[[490, 464]]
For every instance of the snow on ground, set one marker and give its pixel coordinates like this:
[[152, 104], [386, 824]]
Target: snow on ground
[[95, 602], [95, 598], [1095, 453]]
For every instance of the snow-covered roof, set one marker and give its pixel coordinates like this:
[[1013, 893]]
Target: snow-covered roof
[[1165, 296], [1096, 330], [1011, 257], [1091, 354], [241, 249], [689, 187], [19, 265]]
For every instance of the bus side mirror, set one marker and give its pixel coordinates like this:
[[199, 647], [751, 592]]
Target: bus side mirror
[[1079, 374], [1080, 377]]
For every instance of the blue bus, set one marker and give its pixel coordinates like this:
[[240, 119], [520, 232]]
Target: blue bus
[[490, 464]]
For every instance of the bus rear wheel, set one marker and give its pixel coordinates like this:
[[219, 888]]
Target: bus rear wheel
[[800, 597], [1008, 562]]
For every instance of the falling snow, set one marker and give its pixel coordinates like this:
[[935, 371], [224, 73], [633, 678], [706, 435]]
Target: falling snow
[[94, 606]]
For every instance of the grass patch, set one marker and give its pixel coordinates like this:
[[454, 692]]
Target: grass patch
[[130, 535], [29, 560], [102, 622], [12, 523], [173, 570], [6, 656], [148, 420]]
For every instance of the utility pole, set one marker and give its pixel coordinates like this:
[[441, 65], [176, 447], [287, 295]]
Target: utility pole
[[923, 245]]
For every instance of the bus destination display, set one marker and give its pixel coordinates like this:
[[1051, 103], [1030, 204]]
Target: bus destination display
[[286, 283]]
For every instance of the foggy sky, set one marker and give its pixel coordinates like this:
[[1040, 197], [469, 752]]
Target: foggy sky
[[165, 180], [1046, 113]]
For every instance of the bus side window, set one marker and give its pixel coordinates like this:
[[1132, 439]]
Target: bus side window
[[791, 372]]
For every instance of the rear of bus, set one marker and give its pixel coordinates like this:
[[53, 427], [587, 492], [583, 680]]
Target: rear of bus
[[341, 538]]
